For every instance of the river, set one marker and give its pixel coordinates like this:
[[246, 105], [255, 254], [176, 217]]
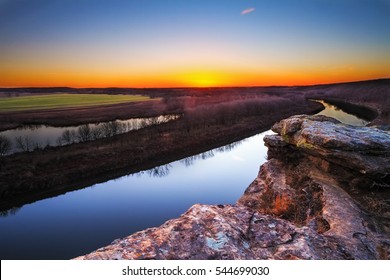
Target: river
[[81, 221], [31, 137]]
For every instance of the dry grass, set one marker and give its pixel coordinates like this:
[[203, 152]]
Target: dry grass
[[64, 100]]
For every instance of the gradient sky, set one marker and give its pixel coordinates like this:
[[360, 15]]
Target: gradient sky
[[157, 43]]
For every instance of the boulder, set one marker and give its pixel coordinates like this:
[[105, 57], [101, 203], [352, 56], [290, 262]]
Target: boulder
[[365, 149]]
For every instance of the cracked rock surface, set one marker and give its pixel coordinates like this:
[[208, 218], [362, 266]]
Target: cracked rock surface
[[309, 201]]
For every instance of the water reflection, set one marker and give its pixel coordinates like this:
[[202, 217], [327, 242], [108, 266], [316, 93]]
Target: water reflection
[[78, 222], [163, 170], [81, 221], [191, 160], [159, 171], [227, 148], [10, 212], [35, 137], [338, 114]]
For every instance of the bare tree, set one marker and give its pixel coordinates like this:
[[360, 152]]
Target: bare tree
[[66, 137], [5, 145], [11, 212], [155, 121], [84, 133], [23, 144], [159, 171], [114, 125], [106, 130], [144, 123], [19, 143], [73, 136], [97, 133], [127, 127]]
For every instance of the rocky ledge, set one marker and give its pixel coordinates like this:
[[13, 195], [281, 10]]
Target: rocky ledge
[[323, 194]]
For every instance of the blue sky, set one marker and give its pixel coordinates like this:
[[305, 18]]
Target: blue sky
[[118, 42]]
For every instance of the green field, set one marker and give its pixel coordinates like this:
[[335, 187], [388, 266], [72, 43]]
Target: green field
[[64, 100]]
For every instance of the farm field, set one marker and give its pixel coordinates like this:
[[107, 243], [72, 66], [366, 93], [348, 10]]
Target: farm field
[[64, 100]]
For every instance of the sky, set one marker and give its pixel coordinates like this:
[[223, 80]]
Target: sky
[[185, 43]]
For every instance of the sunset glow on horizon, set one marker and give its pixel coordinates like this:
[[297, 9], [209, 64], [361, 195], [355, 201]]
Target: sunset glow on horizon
[[173, 43]]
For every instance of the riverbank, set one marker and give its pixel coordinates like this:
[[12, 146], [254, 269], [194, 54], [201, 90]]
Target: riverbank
[[132, 203], [371, 96], [212, 117], [57, 170], [299, 206], [60, 117]]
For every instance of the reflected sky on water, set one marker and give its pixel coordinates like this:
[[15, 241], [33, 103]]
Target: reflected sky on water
[[30, 137], [338, 114], [81, 221]]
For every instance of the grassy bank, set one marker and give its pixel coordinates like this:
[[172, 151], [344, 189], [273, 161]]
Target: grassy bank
[[64, 100]]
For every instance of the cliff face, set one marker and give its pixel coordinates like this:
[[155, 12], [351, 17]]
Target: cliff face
[[323, 194]]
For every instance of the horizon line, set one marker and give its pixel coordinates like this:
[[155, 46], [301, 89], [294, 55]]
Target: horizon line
[[193, 87]]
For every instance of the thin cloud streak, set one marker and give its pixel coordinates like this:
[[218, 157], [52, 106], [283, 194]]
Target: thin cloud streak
[[237, 158], [247, 11]]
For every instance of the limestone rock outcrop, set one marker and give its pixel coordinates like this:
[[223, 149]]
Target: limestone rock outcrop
[[366, 149], [317, 197]]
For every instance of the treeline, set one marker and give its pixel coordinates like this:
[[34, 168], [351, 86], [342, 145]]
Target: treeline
[[88, 132], [202, 127], [231, 112], [5, 145], [373, 94], [84, 133]]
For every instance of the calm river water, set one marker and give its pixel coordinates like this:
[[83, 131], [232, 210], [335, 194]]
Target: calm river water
[[31, 137], [79, 222]]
